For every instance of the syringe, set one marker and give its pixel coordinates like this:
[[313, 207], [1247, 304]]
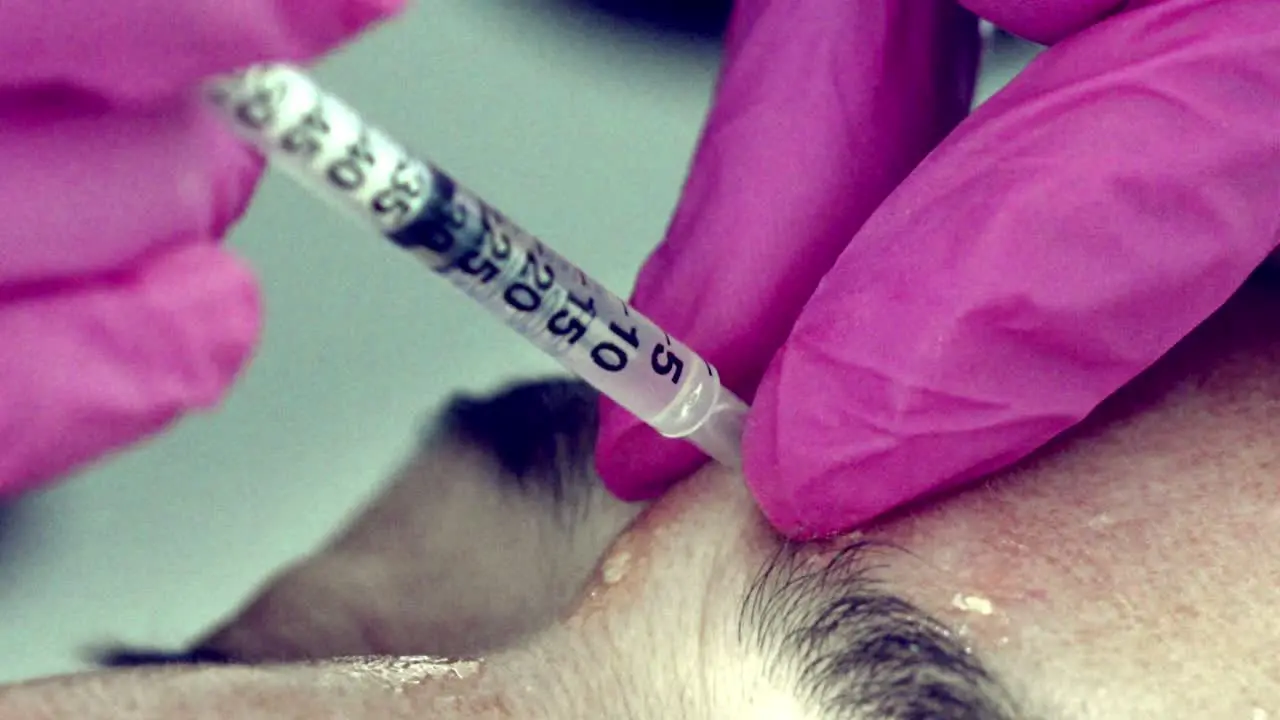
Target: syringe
[[322, 142]]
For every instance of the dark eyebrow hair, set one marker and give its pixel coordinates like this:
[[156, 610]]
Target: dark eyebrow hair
[[852, 648], [845, 644]]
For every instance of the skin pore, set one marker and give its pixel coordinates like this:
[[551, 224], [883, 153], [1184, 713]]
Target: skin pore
[[1130, 570]]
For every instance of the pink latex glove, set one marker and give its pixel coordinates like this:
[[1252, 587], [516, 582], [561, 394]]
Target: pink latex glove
[[118, 308], [908, 323]]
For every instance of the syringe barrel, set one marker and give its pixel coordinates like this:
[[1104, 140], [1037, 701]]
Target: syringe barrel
[[324, 143]]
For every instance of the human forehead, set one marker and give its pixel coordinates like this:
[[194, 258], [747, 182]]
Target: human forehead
[[703, 575], [1130, 569]]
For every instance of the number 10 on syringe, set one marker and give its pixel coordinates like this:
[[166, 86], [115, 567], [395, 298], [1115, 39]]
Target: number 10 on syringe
[[322, 142]]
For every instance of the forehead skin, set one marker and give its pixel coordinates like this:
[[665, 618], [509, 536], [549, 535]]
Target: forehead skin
[[1134, 570], [1129, 572]]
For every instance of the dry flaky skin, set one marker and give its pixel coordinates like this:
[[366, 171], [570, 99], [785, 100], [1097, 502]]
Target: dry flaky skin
[[1131, 571]]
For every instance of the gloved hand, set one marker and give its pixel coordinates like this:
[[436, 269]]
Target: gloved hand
[[912, 305], [118, 308]]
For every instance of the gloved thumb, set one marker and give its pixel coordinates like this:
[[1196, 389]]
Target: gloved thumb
[[1062, 240]]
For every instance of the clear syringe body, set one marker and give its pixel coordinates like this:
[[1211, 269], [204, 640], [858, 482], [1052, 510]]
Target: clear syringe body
[[326, 145]]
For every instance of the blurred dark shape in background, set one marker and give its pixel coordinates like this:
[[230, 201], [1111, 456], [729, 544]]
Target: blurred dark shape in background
[[10, 520], [6, 522], [698, 18]]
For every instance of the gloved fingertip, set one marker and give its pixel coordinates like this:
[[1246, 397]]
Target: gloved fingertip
[[761, 465], [237, 170], [634, 462], [316, 32], [797, 472], [108, 361], [364, 13], [221, 310]]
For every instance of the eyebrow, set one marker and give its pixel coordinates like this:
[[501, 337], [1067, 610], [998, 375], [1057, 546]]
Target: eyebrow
[[814, 611], [848, 646], [853, 649]]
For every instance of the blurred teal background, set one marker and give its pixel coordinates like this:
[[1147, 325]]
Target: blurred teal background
[[575, 122]]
